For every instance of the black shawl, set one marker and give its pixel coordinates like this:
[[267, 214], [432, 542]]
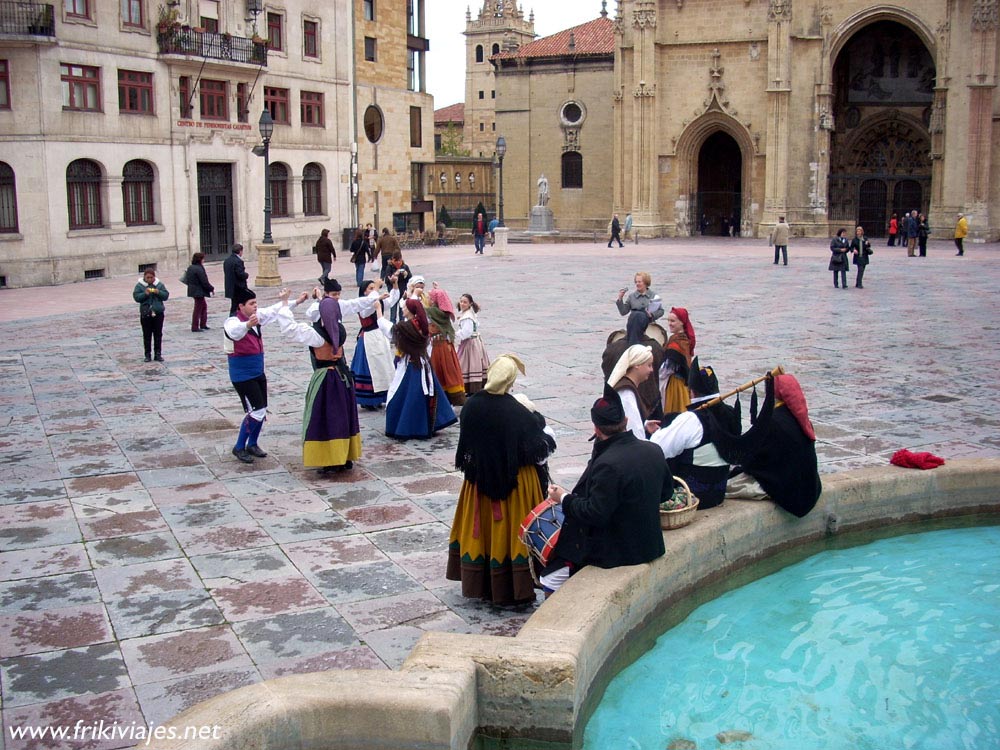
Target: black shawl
[[497, 437]]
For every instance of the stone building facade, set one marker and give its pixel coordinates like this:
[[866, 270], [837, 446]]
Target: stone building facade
[[394, 115], [826, 113], [126, 131]]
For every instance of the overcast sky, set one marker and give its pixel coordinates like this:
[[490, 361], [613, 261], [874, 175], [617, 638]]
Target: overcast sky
[[446, 22]]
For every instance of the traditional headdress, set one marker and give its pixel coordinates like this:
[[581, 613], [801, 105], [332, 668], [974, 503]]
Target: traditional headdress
[[787, 389], [419, 315], [331, 285], [607, 411], [682, 316], [440, 318], [702, 380], [634, 355], [242, 296], [502, 373], [440, 298]]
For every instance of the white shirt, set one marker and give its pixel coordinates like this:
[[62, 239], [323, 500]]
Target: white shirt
[[237, 329], [632, 413]]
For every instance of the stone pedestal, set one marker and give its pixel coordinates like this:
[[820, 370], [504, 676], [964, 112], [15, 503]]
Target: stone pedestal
[[500, 241], [541, 221], [267, 266]]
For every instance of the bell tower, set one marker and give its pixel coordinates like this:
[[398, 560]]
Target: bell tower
[[499, 27]]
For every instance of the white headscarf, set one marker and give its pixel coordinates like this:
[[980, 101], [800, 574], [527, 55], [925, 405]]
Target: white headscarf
[[636, 354]]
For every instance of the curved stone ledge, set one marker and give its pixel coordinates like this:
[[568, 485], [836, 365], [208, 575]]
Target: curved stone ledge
[[537, 684]]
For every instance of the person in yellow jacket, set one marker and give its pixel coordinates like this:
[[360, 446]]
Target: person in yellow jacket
[[961, 230]]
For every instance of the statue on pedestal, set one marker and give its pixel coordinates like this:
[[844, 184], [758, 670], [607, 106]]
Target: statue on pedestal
[[543, 190]]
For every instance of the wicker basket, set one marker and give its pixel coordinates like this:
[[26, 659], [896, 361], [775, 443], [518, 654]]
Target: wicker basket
[[675, 519]]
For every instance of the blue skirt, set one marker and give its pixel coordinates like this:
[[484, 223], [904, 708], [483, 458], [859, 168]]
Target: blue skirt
[[411, 414], [363, 389]]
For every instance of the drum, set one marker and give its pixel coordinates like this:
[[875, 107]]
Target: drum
[[540, 529]]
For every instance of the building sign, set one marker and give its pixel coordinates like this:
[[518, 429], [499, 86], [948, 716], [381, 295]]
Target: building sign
[[214, 125]]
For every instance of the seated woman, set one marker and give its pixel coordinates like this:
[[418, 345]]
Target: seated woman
[[502, 450], [633, 368], [642, 306], [677, 361], [414, 407]]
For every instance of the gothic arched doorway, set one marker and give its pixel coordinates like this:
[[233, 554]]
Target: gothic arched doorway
[[880, 151], [720, 185]]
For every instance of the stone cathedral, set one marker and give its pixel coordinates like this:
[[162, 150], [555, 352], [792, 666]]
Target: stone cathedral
[[705, 113]]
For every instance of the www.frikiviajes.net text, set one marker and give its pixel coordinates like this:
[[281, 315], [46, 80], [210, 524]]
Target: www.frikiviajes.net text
[[133, 733]]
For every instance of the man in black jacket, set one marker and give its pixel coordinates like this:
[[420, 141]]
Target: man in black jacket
[[235, 274], [613, 512]]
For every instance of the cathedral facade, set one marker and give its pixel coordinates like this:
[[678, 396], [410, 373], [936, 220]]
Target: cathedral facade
[[741, 111]]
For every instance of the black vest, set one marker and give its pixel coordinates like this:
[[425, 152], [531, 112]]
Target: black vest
[[704, 470]]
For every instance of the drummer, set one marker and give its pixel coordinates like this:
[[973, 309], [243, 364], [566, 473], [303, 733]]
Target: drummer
[[642, 306], [613, 512]]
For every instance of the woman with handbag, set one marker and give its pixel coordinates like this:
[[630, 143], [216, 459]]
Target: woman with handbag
[[923, 230], [150, 293], [359, 256], [199, 288], [839, 247], [861, 248]]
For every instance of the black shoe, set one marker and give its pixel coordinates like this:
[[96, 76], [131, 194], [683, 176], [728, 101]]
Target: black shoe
[[775, 262], [147, 358], [254, 450], [859, 286], [157, 358], [205, 328], [243, 456]]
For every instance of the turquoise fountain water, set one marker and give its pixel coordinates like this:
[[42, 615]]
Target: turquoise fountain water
[[892, 644]]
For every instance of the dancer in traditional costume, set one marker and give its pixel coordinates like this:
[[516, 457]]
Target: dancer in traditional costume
[[331, 436], [633, 368], [677, 361], [444, 358], [415, 406], [472, 354], [502, 450], [371, 365]]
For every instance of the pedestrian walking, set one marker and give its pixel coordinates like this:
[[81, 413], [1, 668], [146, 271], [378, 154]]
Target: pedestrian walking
[[779, 238], [893, 230], [480, 227], [198, 288], [961, 232], [616, 232], [235, 276], [862, 250], [360, 255], [325, 254], [150, 293], [839, 247]]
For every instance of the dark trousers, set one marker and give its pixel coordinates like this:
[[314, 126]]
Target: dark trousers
[[232, 307], [385, 267], [843, 277], [958, 244], [616, 237], [922, 244], [783, 249], [359, 273], [199, 316], [859, 277], [152, 331]]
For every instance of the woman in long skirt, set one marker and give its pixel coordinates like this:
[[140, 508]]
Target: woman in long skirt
[[677, 361], [502, 450], [371, 365], [472, 354], [415, 404], [444, 358]]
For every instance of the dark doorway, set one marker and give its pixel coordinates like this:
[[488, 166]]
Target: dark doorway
[[906, 197], [215, 208], [720, 186], [872, 212]]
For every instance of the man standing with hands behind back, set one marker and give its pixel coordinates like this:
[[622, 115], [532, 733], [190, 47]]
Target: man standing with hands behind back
[[235, 275], [779, 238]]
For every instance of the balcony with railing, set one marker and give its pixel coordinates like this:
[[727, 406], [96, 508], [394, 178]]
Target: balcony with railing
[[27, 19], [185, 41]]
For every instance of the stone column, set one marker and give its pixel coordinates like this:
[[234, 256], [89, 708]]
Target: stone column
[[645, 157], [500, 241], [267, 266], [779, 90], [983, 44]]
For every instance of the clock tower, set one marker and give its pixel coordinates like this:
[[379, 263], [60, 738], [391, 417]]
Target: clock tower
[[499, 27]]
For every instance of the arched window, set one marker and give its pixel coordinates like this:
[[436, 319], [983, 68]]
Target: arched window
[[8, 199], [83, 190], [279, 190], [137, 192], [572, 170], [496, 49], [312, 189], [479, 53]]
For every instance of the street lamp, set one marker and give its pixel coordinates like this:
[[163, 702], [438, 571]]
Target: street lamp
[[266, 126], [501, 150]]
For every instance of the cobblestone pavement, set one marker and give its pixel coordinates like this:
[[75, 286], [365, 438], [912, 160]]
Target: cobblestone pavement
[[143, 569]]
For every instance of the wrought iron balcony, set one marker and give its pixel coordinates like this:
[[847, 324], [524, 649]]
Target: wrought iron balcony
[[184, 41], [28, 19]]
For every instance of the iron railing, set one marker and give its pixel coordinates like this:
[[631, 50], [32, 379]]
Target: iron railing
[[181, 41], [30, 19]]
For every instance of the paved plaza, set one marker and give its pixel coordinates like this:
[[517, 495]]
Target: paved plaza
[[143, 569]]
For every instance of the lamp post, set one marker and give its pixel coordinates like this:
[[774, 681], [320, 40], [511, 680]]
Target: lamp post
[[355, 213], [501, 150], [266, 126]]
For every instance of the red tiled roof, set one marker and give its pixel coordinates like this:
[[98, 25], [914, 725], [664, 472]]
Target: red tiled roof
[[454, 113], [595, 37]]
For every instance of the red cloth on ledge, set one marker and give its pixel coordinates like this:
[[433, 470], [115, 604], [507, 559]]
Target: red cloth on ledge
[[910, 460]]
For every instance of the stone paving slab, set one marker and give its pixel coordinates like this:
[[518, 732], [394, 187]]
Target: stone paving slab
[[143, 569]]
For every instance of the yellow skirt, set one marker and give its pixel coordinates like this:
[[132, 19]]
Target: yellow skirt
[[676, 395], [484, 552]]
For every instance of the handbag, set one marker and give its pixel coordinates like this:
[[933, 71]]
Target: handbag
[[146, 310], [184, 277]]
